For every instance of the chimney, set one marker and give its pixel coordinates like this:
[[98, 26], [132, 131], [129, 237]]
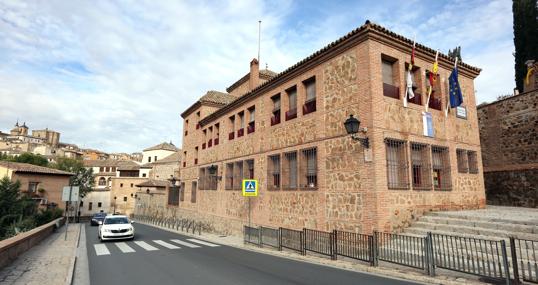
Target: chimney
[[254, 74]]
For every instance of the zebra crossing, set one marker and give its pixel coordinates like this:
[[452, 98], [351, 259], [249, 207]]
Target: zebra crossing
[[103, 249]]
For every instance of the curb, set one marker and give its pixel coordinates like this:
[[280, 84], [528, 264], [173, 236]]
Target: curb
[[377, 271], [71, 270]]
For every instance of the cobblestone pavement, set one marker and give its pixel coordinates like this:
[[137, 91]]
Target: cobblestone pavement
[[49, 262]]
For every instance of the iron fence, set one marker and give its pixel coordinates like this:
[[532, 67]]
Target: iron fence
[[401, 249], [252, 235], [524, 259], [292, 239], [481, 257], [320, 242], [269, 236], [356, 246]]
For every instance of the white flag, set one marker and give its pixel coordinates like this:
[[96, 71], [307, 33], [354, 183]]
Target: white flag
[[409, 85]]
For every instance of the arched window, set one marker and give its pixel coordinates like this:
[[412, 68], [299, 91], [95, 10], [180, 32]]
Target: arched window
[[102, 181]]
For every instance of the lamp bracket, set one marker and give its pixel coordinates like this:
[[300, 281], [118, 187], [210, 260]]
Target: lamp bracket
[[364, 141]]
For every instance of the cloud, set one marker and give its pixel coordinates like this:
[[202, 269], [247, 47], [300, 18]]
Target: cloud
[[116, 76]]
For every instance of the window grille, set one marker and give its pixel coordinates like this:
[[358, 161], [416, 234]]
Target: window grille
[[290, 171], [182, 191], [421, 166], [193, 191], [441, 168], [473, 161], [173, 196], [273, 172], [461, 155], [397, 177], [229, 176], [238, 175], [211, 179], [308, 168], [249, 174]]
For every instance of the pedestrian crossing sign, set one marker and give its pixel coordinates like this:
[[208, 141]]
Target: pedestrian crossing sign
[[250, 187]]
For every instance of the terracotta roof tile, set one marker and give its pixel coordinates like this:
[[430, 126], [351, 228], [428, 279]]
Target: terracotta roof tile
[[163, 146], [153, 183], [30, 168]]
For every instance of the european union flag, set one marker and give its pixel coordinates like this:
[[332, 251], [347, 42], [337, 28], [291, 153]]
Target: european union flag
[[456, 98]]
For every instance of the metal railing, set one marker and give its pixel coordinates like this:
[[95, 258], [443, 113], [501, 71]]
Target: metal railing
[[320, 242], [401, 249], [252, 235], [292, 239], [481, 257], [186, 225], [270, 237], [524, 259], [356, 246]]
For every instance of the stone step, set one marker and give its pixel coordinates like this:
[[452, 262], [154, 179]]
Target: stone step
[[472, 231], [510, 227], [486, 218]]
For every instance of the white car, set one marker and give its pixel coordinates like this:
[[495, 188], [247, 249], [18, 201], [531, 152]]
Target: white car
[[116, 227]]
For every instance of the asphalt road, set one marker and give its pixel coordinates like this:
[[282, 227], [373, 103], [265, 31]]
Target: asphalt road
[[150, 260]]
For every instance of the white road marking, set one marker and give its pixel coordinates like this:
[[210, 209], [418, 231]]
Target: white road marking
[[101, 249], [124, 247], [184, 243], [165, 244], [203, 242], [145, 245]]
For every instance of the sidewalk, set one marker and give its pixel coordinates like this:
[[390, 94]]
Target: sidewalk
[[387, 270], [50, 262]]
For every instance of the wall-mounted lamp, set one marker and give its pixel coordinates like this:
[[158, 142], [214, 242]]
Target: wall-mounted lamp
[[352, 126], [213, 171]]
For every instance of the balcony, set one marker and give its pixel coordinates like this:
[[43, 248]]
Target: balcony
[[203, 146], [435, 103], [416, 100], [275, 119], [209, 143], [391, 91], [309, 106], [291, 114], [216, 141], [251, 127], [231, 136], [240, 132]]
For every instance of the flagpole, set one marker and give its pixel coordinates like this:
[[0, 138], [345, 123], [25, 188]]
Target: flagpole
[[447, 98]]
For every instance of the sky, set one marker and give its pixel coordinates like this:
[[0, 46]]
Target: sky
[[116, 75]]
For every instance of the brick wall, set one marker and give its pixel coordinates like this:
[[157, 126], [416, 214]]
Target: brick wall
[[509, 138]]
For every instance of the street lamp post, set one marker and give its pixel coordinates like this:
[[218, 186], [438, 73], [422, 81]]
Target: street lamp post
[[114, 211]]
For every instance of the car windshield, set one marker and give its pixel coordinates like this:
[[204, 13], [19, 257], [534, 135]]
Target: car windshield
[[116, 220], [100, 215]]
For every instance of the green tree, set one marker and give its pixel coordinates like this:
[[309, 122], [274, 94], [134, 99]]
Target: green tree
[[83, 177], [15, 210], [31, 158], [525, 36]]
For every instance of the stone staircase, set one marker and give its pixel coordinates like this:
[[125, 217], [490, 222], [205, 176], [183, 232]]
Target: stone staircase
[[492, 223]]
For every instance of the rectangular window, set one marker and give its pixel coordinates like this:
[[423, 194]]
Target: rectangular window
[[241, 130], [195, 155], [273, 172], [421, 166], [249, 174], [231, 135], [290, 171], [229, 184], [441, 168], [101, 169], [90, 206], [217, 133], [417, 90], [193, 191], [275, 118], [182, 191], [149, 158], [310, 102], [202, 178], [461, 156], [198, 120], [124, 199], [173, 196], [238, 175], [308, 169], [32, 187], [210, 136], [397, 177], [473, 161], [212, 179], [389, 86], [99, 204], [252, 120], [292, 103]]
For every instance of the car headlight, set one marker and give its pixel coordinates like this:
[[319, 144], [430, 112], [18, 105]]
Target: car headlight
[[107, 230]]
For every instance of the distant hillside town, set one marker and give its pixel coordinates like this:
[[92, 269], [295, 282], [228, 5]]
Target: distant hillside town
[[47, 143]]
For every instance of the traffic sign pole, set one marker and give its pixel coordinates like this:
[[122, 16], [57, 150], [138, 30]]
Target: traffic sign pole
[[67, 209]]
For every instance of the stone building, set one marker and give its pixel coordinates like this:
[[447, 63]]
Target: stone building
[[287, 131], [160, 151], [43, 184], [51, 137], [509, 139]]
